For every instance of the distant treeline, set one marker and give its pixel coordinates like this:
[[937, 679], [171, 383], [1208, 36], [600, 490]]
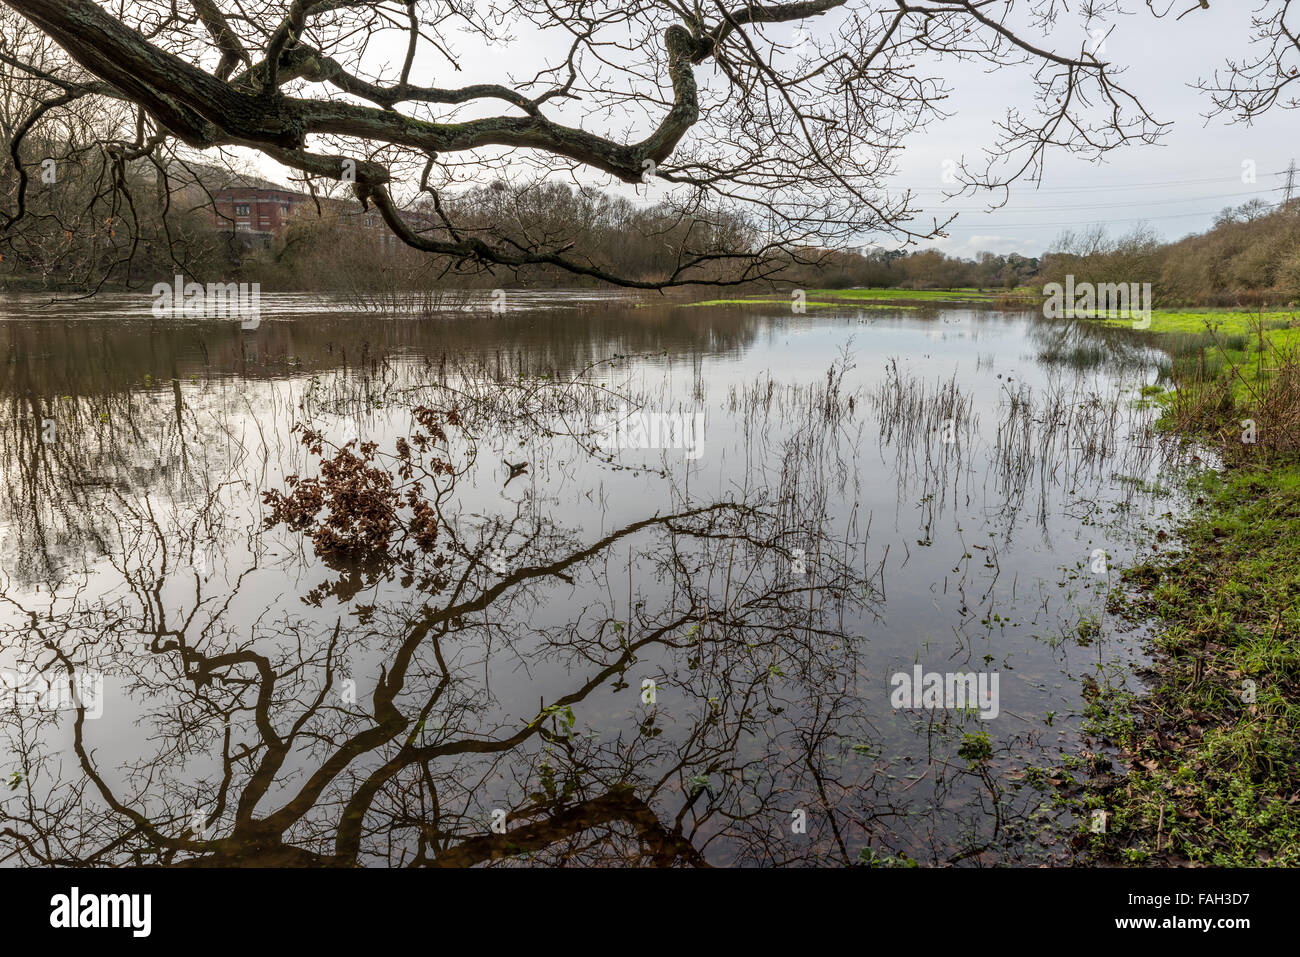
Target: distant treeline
[[1251, 257], [75, 233], [614, 234]]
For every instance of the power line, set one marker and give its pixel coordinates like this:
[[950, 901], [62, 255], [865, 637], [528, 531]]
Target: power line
[[1091, 222], [1110, 186], [1154, 202]]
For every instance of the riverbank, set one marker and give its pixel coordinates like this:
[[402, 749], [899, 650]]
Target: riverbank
[[1210, 769], [1020, 298], [1209, 757]]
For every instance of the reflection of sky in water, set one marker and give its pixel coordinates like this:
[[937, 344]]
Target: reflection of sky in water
[[957, 572]]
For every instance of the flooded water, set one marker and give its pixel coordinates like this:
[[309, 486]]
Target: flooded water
[[686, 561]]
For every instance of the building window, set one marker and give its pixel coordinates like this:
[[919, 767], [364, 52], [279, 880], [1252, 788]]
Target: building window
[[241, 209]]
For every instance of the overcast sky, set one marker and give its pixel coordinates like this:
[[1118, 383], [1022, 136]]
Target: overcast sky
[[1176, 187]]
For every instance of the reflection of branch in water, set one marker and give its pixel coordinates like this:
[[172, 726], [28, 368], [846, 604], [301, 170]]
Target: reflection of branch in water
[[621, 805], [464, 670], [364, 766]]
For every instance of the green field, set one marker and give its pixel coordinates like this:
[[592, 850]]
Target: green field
[[883, 298], [1244, 347]]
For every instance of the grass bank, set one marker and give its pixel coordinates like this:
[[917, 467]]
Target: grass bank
[[809, 304], [1210, 755], [887, 298]]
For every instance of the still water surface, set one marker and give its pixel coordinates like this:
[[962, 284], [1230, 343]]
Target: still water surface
[[617, 656]]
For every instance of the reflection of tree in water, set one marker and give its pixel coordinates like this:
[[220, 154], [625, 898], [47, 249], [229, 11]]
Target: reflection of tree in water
[[398, 732], [408, 772], [140, 407], [479, 689], [64, 457], [93, 355]]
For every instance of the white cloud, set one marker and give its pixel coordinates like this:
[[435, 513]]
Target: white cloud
[[972, 246]]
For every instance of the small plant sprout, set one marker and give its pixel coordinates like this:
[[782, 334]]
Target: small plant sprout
[[1098, 824], [975, 747], [562, 719]]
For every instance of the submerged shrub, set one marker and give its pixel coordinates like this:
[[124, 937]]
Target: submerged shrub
[[364, 506]]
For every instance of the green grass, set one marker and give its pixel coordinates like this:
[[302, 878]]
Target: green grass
[[1225, 321], [1209, 776], [825, 298], [1210, 344], [941, 295], [1212, 776], [811, 304]]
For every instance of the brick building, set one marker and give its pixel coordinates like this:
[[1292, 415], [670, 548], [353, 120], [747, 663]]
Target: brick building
[[257, 212]]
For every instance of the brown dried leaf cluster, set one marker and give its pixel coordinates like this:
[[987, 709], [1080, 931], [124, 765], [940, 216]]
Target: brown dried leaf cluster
[[361, 507]]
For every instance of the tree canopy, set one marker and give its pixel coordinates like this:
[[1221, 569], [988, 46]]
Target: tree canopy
[[789, 114]]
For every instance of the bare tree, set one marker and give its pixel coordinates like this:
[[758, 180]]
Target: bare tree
[[724, 107], [1248, 87]]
